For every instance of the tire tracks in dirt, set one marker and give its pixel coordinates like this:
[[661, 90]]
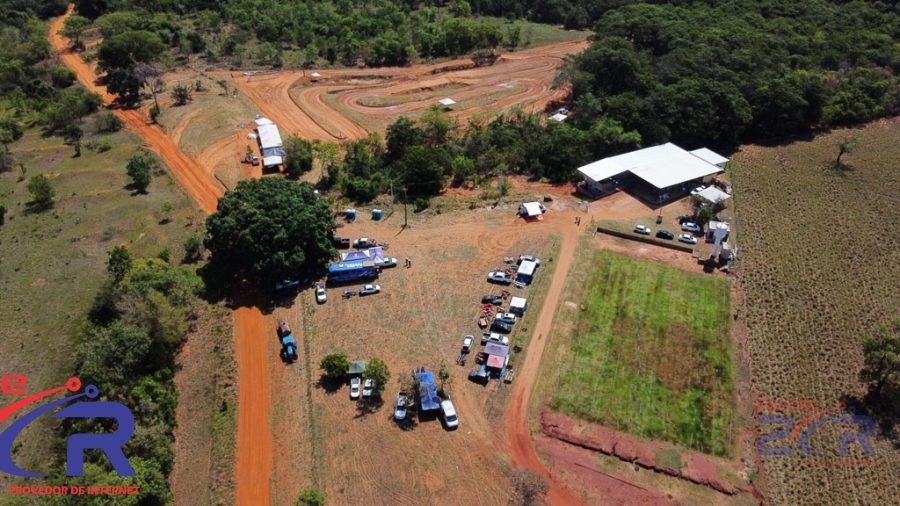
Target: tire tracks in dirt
[[254, 440]]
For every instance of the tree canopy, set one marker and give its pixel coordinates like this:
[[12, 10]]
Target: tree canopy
[[335, 365], [377, 371], [271, 228], [882, 359]]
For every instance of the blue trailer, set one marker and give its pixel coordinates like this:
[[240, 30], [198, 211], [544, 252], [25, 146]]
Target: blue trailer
[[348, 272], [428, 396]]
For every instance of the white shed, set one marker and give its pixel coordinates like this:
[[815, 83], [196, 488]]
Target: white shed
[[526, 271], [518, 305], [531, 209]]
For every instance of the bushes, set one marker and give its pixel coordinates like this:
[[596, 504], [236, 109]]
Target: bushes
[[107, 122]]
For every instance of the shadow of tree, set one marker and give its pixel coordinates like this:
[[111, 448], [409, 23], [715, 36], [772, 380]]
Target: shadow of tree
[[329, 385], [368, 406], [884, 410]]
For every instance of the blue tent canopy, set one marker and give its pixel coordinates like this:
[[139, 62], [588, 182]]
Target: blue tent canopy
[[427, 391]]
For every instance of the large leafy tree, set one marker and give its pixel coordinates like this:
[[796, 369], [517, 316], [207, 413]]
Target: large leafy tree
[[298, 157], [271, 228], [120, 56], [335, 365], [882, 358], [377, 371]]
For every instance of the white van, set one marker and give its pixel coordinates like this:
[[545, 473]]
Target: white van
[[449, 414]]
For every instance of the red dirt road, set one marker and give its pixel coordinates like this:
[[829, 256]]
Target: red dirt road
[[254, 439], [521, 445]]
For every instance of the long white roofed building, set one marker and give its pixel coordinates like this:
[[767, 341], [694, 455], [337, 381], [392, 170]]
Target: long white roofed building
[[270, 144]]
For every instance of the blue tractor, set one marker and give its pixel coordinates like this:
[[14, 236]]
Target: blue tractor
[[288, 343]]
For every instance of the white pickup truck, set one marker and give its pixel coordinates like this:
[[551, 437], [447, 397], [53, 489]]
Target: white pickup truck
[[494, 337]]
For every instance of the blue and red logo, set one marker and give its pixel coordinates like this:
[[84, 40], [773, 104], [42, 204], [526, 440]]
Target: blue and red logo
[[111, 444]]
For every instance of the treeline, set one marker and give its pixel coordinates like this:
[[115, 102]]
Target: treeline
[[378, 33], [33, 89], [424, 156], [720, 73], [128, 351]]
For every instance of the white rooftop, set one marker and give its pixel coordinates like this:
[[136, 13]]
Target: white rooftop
[[447, 102], [268, 135], [271, 161], [531, 208], [710, 156], [661, 166], [315, 74], [714, 194], [264, 121], [558, 117]]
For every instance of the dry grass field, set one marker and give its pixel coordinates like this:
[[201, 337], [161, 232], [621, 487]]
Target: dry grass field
[[821, 268]]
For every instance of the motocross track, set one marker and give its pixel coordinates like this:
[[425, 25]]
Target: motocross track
[[530, 73], [254, 439]]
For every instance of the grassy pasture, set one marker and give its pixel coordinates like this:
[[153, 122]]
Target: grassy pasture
[[535, 34], [647, 351]]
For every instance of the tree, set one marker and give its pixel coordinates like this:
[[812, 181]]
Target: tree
[[167, 208], [377, 371], [298, 157], [154, 113], [271, 228], [41, 191], [882, 358], [335, 365], [193, 248], [311, 497], [119, 263], [513, 37], [847, 143], [72, 134], [128, 48], [421, 173], [529, 488], [181, 95], [73, 27], [10, 131], [443, 373], [138, 170]]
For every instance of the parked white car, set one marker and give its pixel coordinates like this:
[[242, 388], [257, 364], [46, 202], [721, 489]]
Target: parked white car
[[369, 289], [354, 388], [494, 337], [321, 297], [697, 190], [467, 343], [499, 277], [691, 227], [368, 387], [506, 318], [641, 229], [400, 407], [386, 262], [687, 238], [449, 414]]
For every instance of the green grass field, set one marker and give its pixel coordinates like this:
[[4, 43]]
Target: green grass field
[[535, 34], [647, 352]]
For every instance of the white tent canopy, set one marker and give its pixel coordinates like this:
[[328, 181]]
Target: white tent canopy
[[558, 117], [315, 74], [709, 156], [662, 166], [269, 136], [264, 121], [271, 161], [530, 209], [713, 194], [446, 102]]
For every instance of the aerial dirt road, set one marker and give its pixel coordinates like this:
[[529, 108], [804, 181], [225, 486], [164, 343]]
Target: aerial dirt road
[[521, 446], [254, 439]]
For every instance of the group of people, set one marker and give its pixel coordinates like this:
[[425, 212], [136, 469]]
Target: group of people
[[578, 221], [408, 263]]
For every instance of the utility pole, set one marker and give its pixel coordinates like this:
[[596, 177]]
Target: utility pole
[[404, 208]]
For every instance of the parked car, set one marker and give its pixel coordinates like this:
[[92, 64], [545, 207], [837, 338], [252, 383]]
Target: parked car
[[467, 343], [342, 242], [691, 227], [283, 328], [321, 297], [287, 284], [492, 299], [499, 277], [255, 160], [449, 414], [354, 387], [369, 289], [665, 234], [506, 318], [400, 407], [698, 190], [368, 387], [687, 238], [640, 229], [494, 337], [364, 242], [499, 326], [478, 376], [530, 258], [386, 262]]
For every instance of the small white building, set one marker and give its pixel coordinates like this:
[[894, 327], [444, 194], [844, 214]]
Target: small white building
[[526, 271], [518, 305], [446, 102], [531, 209]]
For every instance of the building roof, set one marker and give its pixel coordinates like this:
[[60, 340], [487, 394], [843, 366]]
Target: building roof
[[661, 166], [558, 117], [357, 367], [517, 302], [532, 208], [498, 349], [447, 102], [709, 156], [269, 136], [427, 391], [714, 194], [315, 74], [495, 361], [527, 267], [263, 121], [270, 161]]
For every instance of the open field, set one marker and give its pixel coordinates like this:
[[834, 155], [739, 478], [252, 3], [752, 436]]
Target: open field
[[53, 263], [821, 268], [536, 34], [647, 352]]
